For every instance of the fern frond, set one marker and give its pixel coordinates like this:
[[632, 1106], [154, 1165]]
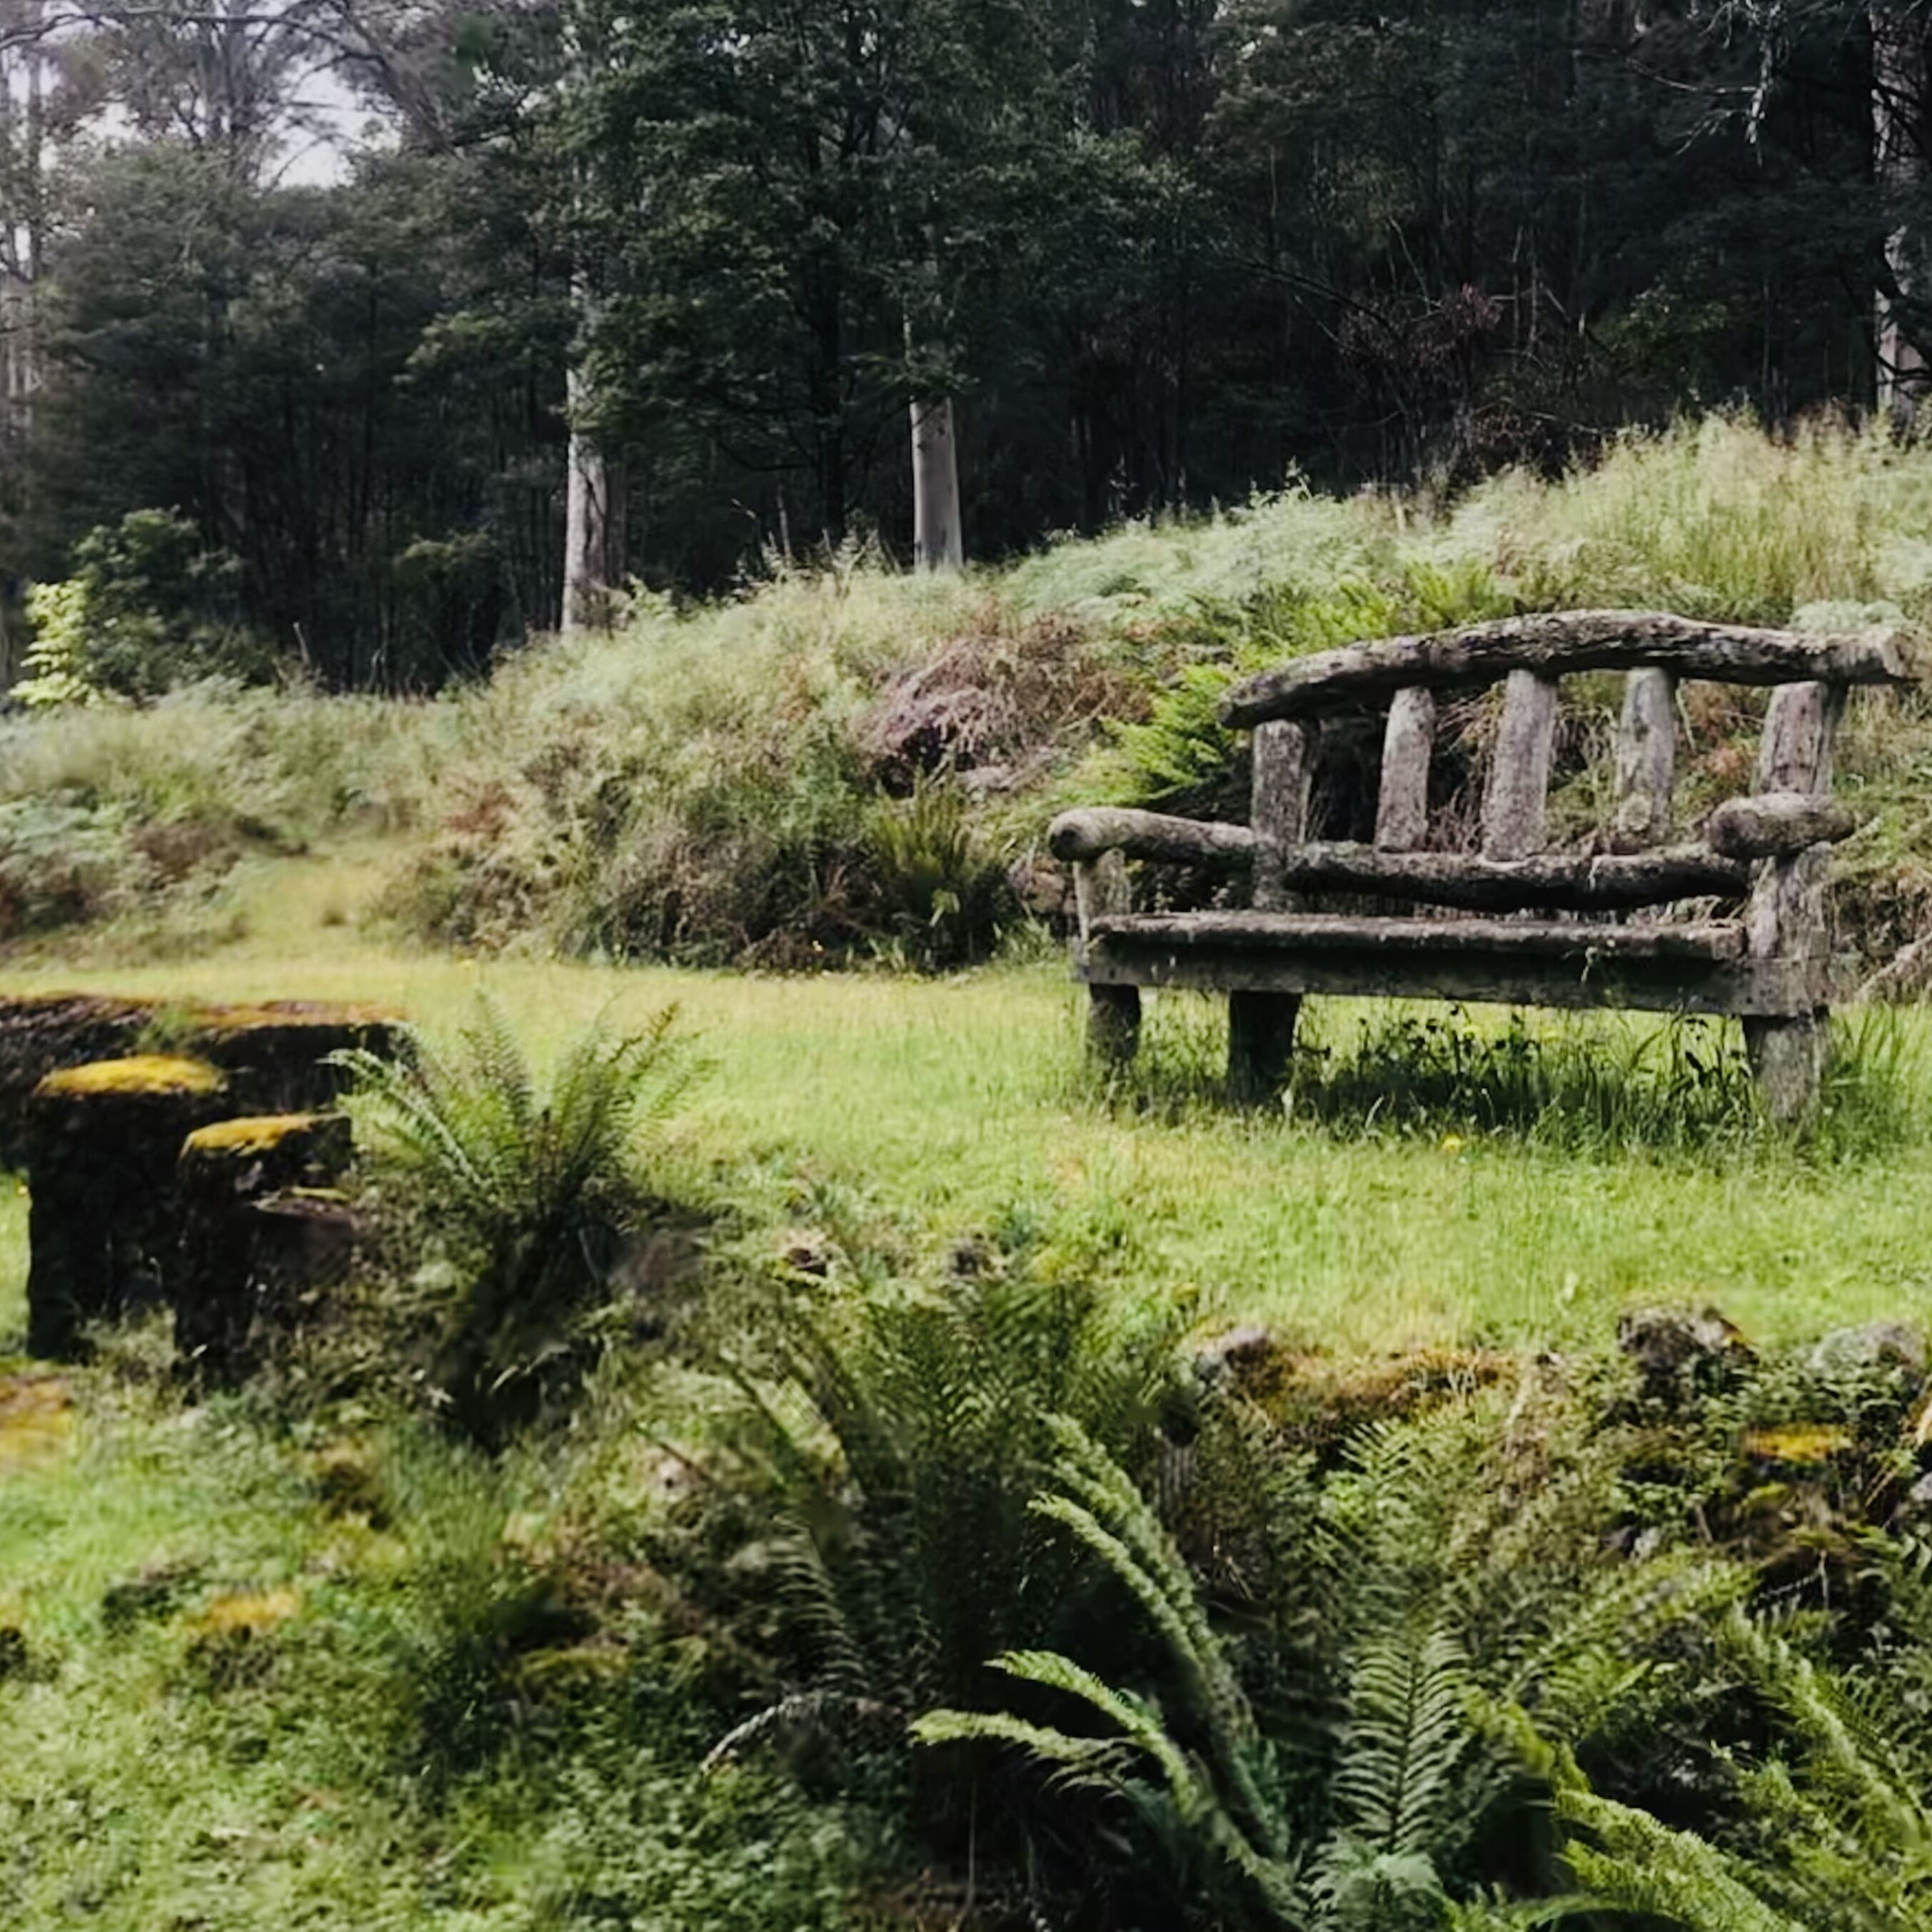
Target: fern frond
[[1409, 1765], [1631, 1863]]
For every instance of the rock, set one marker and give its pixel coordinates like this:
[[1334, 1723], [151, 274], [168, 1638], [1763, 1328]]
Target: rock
[[805, 1252], [1234, 1351], [260, 1225], [1679, 1351], [272, 1054], [1043, 886], [102, 1143], [1870, 1347]]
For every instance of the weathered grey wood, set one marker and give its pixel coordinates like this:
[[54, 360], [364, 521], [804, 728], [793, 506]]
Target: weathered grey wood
[[1101, 891], [1557, 642], [1515, 802], [1278, 806], [1261, 1040], [1777, 824], [1260, 1024], [1580, 881], [1113, 1025], [1327, 931], [1402, 794], [1786, 919], [1100, 887], [1745, 986], [1787, 1060], [1086, 835], [1646, 757]]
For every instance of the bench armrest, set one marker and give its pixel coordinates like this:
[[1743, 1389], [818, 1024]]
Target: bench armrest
[[1777, 824], [1081, 837]]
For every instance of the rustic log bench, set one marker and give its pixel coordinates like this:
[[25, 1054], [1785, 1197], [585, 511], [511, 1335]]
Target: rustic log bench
[[1513, 923]]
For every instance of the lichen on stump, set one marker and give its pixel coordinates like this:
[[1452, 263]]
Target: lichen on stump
[[102, 1143], [259, 1225]]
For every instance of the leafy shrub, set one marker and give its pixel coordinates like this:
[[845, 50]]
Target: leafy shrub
[[63, 863], [148, 606], [526, 1196], [1484, 1661]]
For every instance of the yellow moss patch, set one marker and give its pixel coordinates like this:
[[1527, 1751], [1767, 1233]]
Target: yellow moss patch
[[218, 1022], [254, 1611], [36, 1414], [1798, 1442], [145, 1073], [251, 1133]]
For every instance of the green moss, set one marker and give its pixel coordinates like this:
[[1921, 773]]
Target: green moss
[[144, 1073], [250, 1133]]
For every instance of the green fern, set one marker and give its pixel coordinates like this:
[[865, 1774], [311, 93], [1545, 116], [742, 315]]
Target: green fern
[[1415, 1771], [527, 1194]]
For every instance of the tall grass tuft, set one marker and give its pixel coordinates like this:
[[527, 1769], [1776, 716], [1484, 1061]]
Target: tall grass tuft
[[1603, 1087]]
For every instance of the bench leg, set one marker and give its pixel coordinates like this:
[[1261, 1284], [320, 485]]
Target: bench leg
[[1260, 1037], [1113, 1026], [1787, 1057]]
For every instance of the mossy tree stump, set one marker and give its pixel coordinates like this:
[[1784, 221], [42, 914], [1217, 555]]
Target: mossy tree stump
[[103, 1141], [276, 1056], [259, 1224], [41, 1032]]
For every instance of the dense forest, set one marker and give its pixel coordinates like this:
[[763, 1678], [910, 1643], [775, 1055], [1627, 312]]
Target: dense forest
[[357, 333]]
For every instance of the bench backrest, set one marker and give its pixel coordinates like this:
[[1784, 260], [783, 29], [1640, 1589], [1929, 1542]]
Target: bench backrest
[[1529, 656]]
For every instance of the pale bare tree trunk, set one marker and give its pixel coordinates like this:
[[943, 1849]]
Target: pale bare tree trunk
[[23, 232], [593, 514], [1898, 165], [937, 541], [593, 535]]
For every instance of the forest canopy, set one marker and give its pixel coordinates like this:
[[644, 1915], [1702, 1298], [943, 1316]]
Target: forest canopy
[[422, 324]]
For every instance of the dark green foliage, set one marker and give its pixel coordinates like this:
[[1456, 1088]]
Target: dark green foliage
[[899, 1437], [522, 1197], [941, 893], [1443, 1673], [1180, 758]]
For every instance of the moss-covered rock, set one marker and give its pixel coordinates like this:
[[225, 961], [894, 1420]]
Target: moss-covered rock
[[157, 1074], [272, 1054], [276, 1054]]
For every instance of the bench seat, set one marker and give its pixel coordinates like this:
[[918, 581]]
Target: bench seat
[[1752, 934], [1702, 968]]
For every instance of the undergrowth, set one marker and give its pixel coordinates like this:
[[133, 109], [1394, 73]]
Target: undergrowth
[[743, 782]]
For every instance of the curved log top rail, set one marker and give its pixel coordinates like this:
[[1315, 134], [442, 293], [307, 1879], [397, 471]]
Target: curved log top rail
[[1552, 645]]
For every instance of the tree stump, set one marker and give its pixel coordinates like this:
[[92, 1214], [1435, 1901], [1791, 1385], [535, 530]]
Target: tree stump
[[259, 1223], [103, 1140], [275, 1055], [41, 1032]]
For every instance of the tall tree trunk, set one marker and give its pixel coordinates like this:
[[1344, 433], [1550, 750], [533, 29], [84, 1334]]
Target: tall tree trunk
[[937, 542], [593, 516], [1898, 165]]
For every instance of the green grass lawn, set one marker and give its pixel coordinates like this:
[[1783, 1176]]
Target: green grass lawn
[[156, 1769], [923, 1110]]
